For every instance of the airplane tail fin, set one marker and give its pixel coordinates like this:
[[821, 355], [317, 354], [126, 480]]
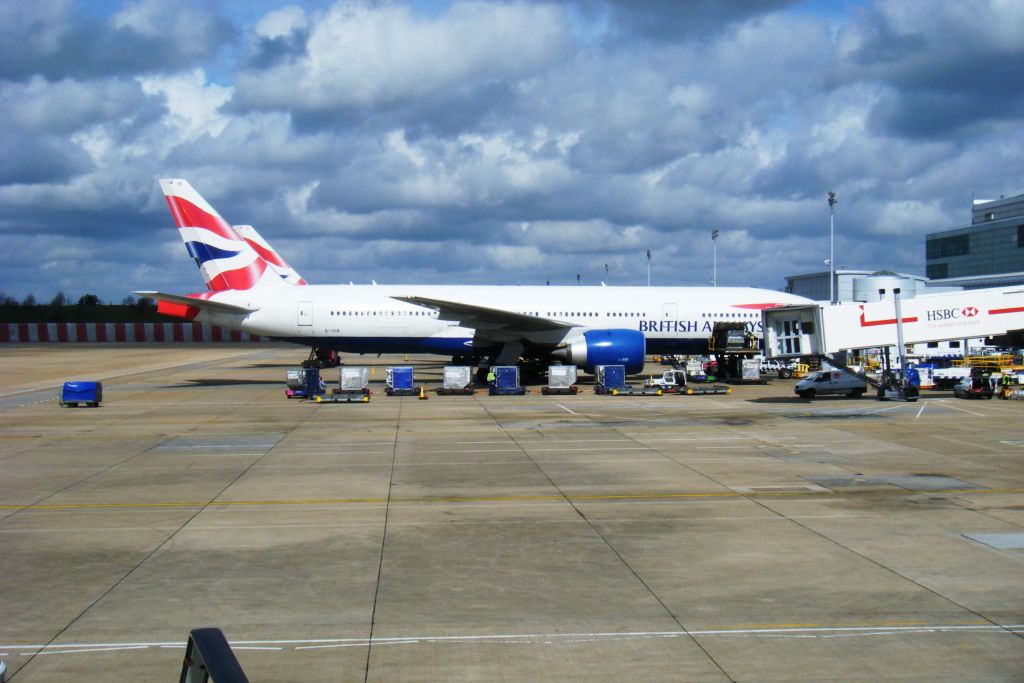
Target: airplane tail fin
[[273, 259], [225, 260]]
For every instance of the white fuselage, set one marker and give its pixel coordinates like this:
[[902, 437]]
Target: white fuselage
[[365, 318]]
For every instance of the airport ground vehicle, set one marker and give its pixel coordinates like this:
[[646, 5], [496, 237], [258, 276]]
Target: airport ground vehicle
[[826, 382], [978, 385], [675, 382], [784, 369], [73, 393]]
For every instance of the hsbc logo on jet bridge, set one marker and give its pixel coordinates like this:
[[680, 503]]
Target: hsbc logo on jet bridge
[[941, 314]]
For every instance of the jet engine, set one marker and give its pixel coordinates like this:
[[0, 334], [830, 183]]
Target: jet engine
[[604, 347]]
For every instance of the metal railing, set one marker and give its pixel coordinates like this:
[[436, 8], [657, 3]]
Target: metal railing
[[208, 656]]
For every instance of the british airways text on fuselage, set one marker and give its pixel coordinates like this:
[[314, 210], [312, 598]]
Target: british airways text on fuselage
[[689, 326]]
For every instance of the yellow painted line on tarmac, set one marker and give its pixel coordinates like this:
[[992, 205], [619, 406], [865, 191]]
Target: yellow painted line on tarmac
[[497, 499]]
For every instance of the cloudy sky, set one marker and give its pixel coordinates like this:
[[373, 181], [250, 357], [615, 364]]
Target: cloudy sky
[[507, 143]]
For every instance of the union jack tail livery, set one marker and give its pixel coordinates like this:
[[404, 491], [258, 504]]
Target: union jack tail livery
[[225, 259], [273, 259]]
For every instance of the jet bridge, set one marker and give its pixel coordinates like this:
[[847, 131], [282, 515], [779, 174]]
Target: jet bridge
[[823, 329]]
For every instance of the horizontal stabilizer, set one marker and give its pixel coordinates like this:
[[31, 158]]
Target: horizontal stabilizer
[[203, 304]]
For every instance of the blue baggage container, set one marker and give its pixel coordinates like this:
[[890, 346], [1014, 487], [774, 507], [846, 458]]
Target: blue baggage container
[[314, 386], [398, 381], [611, 376], [506, 377], [74, 393], [400, 378], [506, 381]]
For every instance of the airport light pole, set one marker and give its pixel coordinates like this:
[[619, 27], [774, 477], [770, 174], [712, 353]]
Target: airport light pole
[[714, 257], [831, 247], [648, 267]]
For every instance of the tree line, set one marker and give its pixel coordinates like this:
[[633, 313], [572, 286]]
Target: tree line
[[88, 308]]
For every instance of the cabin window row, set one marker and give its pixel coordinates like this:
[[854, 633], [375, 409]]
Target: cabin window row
[[429, 314], [550, 314]]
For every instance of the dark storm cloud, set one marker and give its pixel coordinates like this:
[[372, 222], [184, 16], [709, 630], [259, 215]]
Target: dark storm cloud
[[56, 39], [945, 70], [40, 159], [267, 52], [673, 19]]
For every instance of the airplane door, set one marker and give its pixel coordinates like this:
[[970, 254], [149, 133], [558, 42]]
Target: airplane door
[[305, 313]]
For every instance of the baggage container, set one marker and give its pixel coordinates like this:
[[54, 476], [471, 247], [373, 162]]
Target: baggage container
[[561, 380], [314, 385], [398, 381], [87, 392], [295, 383], [458, 379], [506, 381], [609, 377], [353, 379]]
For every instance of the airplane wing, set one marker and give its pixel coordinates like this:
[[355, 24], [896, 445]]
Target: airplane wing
[[483, 318], [194, 302]]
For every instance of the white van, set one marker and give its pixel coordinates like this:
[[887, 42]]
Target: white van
[[830, 382]]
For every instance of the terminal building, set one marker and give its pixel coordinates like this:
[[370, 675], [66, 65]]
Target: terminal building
[[987, 253], [848, 284]]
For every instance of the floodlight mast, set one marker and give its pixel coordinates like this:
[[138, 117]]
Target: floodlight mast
[[714, 257], [831, 247]]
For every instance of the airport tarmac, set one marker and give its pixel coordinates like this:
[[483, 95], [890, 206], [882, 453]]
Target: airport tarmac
[[750, 537]]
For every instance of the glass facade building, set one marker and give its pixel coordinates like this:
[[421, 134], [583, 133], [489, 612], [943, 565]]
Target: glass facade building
[[987, 253]]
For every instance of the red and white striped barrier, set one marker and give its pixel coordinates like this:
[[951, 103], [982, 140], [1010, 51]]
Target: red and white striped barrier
[[19, 333]]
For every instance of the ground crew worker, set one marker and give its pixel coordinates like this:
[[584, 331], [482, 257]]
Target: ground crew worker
[[491, 377], [1005, 381]]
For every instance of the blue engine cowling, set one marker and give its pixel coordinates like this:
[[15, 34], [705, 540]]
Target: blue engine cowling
[[605, 347]]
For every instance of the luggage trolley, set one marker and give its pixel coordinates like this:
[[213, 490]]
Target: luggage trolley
[[611, 380], [352, 387]]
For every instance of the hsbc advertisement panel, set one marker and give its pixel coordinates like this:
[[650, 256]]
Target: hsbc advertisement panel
[[956, 316], [928, 317]]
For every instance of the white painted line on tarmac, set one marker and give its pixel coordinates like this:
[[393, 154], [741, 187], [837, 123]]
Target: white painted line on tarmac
[[963, 410], [477, 450], [568, 410], [85, 649], [547, 638], [882, 410], [590, 448], [923, 406]]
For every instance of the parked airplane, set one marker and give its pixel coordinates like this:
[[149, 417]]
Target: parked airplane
[[587, 326]]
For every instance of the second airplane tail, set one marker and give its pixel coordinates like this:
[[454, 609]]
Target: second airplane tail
[[225, 259], [273, 259]]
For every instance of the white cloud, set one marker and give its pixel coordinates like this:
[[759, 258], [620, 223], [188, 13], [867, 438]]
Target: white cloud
[[281, 23], [193, 104], [363, 56]]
